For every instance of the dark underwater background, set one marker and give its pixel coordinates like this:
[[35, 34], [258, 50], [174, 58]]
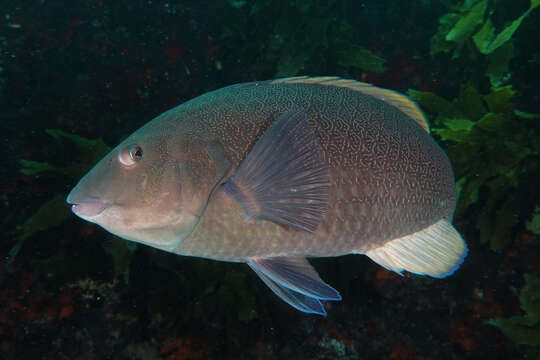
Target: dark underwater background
[[76, 77]]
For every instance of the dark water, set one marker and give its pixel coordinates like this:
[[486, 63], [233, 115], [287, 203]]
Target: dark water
[[101, 69]]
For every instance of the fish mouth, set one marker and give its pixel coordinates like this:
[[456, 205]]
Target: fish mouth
[[88, 206]]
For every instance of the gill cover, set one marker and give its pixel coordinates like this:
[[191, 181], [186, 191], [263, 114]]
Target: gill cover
[[202, 167]]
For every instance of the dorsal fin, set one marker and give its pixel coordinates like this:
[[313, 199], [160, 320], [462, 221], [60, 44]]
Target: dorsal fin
[[400, 101]]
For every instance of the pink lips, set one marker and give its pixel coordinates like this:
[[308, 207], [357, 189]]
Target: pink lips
[[89, 207]]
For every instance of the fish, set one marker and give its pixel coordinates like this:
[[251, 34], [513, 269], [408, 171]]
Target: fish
[[271, 173]]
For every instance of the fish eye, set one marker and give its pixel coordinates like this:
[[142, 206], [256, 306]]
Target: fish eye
[[130, 155], [136, 153]]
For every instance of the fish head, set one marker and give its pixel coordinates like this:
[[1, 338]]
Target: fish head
[[152, 188]]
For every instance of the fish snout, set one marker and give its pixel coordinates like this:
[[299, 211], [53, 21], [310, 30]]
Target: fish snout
[[87, 206]]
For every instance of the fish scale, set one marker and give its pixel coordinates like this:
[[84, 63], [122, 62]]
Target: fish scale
[[269, 173], [343, 165]]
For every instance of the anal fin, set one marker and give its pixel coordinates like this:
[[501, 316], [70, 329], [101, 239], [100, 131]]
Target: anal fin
[[297, 300], [437, 251], [295, 281]]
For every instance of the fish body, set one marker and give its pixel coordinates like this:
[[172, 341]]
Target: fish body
[[269, 173]]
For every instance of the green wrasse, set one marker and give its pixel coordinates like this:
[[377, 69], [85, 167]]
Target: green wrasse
[[269, 173]]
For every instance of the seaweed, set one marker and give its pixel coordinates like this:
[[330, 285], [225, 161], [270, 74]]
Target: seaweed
[[3, 53], [524, 329], [234, 295], [469, 29], [307, 37], [485, 39], [533, 225], [50, 214], [466, 24], [53, 212], [498, 70], [225, 292], [495, 151], [121, 252], [359, 57], [29, 167]]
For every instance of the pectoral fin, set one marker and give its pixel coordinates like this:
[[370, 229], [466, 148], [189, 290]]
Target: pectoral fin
[[295, 281], [284, 178]]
